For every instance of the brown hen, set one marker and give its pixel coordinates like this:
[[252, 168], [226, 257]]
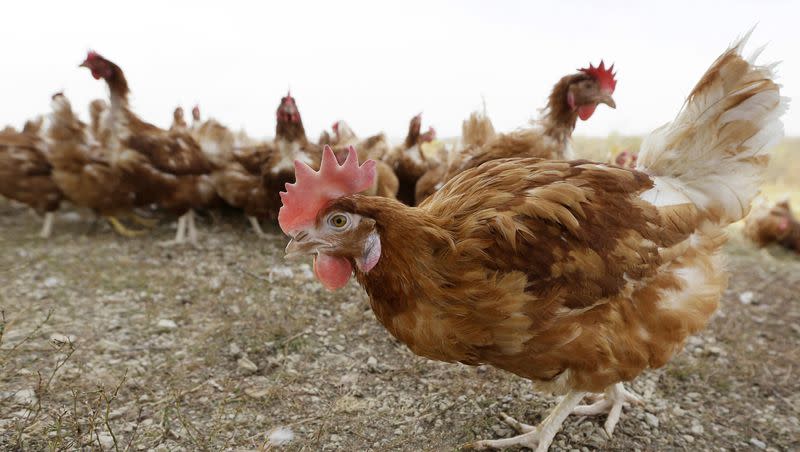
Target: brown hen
[[576, 275]]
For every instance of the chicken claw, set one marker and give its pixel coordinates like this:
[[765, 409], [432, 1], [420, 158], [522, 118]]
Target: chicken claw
[[615, 396], [537, 437], [143, 221], [257, 227], [122, 229], [47, 227]]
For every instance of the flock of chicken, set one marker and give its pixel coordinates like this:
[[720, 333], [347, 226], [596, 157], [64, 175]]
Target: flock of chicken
[[576, 275], [118, 163]]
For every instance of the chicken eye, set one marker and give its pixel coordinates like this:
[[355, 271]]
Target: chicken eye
[[338, 221]]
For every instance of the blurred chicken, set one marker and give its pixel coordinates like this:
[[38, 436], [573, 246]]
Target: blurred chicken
[[26, 173], [773, 224], [83, 171], [216, 140], [408, 160], [100, 125], [166, 168], [178, 121], [576, 275], [476, 131], [290, 144], [626, 159], [374, 147]]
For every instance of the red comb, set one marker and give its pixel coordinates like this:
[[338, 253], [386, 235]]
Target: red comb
[[605, 77], [312, 190]]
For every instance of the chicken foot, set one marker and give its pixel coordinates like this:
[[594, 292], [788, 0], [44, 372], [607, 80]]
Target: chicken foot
[[180, 234], [122, 229], [47, 227], [256, 227], [143, 221], [615, 396], [537, 437]]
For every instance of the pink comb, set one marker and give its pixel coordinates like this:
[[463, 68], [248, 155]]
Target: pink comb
[[605, 77], [312, 190]]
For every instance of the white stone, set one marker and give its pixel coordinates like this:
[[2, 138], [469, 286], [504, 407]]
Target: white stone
[[166, 325]]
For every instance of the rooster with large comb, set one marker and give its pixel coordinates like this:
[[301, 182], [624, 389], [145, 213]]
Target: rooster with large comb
[[578, 276]]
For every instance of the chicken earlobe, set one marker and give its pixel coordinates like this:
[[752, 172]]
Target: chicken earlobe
[[372, 253]]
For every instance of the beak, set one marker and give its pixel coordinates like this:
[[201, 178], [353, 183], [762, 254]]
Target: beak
[[84, 64], [606, 99], [303, 246]]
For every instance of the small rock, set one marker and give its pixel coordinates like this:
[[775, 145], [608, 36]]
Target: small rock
[[25, 397], [62, 338], [246, 366], [651, 419], [698, 429], [688, 438], [165, 325], [746, 297], [234, 350], [106, 440], [335, 438], [281, 436], [372, 364], [282, 272], [52, 282], [758, 443]]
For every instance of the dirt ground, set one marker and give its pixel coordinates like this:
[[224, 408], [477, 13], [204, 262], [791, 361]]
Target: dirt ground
[[120, 344]]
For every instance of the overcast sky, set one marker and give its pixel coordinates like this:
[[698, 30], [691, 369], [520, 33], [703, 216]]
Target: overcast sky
[[375, 64]]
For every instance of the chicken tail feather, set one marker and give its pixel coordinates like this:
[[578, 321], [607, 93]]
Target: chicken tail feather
[[713, 155]]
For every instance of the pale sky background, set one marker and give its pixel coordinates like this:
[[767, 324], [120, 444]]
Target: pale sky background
[[375, 63]]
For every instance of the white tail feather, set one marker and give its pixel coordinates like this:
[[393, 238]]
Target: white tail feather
[[714, 153]]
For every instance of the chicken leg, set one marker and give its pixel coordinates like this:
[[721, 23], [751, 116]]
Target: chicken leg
[[256, 227], [180, 234], [47, 227], [122, 229], [537, 437], [615, 396], [192, 229]]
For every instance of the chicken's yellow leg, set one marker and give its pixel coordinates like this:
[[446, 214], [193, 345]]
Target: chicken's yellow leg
[[122, 230]]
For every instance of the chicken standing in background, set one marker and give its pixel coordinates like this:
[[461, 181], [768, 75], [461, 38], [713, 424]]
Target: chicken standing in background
[[166, 168], [26, 173], [178, 121], [574, 96], [290, 144], [374, 147], [576, 275], [776, 224], [408, 161], [626, 159], [83, 171], [476, 131], [100, 122]]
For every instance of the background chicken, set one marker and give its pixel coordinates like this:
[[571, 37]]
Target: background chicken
[[26, 173], [290, 144], [82, 169], [408, 161], [773, 224], [476, 131], [574, 96], [374, 147], [576, 275], [178, 121], [166, 168]]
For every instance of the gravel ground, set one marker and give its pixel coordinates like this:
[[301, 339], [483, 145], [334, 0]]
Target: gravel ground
[[109, 343]]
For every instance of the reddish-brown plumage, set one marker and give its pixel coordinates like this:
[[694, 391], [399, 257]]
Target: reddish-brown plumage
[[82, 168], [573, 274], [408, 161], [573, 96], [491, 273], [25, 173], [776, 224], [167, 168]]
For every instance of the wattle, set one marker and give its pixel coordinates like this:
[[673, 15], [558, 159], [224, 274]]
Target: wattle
[[333, 272], [586, 111]]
